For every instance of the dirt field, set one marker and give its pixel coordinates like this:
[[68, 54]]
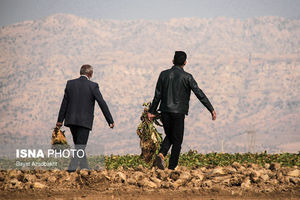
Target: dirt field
[[232, 182], [142, 194]]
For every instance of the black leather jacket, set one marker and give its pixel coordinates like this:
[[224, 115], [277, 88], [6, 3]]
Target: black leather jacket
[[173, 90]]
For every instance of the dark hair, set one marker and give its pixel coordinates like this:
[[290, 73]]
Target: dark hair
[[179, 58], [86, 70]]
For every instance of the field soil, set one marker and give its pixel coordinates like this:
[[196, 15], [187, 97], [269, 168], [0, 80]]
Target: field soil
[[247, 181]]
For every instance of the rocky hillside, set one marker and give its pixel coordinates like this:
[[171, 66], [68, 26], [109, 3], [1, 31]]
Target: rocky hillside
[[249, 69]]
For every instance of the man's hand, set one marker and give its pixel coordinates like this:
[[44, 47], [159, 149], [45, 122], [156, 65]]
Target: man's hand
[[58, 125], [213, 115], [151, 116], [112, 126]]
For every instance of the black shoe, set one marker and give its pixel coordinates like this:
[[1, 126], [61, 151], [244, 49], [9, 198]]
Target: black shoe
[[160, 163], [71, 170]]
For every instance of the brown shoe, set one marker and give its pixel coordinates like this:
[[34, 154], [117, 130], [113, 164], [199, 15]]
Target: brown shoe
[[160, 163]]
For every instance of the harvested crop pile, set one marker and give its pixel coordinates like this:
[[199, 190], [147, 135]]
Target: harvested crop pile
[[233, 179], [150, 138]]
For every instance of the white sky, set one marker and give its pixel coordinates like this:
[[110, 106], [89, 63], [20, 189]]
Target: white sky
[[12, 11]]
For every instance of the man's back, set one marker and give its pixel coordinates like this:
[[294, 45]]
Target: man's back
[[79, 103], [174, 89]]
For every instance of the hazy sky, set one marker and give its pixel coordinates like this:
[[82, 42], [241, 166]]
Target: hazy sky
[[12, 11]]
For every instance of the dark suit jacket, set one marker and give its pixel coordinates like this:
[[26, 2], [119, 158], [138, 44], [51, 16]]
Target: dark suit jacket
[[77, 107]]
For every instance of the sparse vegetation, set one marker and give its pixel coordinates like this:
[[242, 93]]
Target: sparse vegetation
[[192, 159]]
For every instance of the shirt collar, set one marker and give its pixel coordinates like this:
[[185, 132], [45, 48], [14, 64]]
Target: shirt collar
[[178, 67], [85, 76]]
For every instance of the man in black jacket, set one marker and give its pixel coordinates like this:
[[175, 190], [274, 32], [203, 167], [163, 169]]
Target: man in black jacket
[[173, 90], [77, 112]]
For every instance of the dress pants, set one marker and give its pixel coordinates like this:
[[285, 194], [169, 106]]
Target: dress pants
[[80, 137], [173, 124]]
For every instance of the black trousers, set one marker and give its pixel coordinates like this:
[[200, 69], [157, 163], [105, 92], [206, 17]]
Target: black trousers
[[173, 124], [80, 137]]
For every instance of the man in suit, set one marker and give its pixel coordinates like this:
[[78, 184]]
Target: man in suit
[[77, 112], [173, 90]]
